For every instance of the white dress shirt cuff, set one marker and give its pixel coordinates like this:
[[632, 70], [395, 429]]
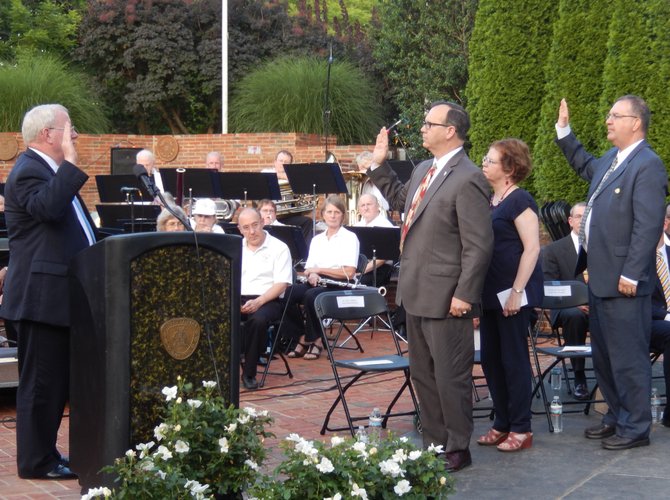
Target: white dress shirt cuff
[[562, 132], [633, 282]]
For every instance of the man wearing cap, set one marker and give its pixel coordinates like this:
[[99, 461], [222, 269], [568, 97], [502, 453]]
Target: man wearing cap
[[204, 217]]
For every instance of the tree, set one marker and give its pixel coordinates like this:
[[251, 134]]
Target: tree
[[159, 61], [45, 26], [421, 49], [42, 78], [287, 95], [508, 49], [574, 72]]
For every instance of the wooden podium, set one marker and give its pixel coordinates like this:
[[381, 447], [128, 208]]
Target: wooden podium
[[145, 309]]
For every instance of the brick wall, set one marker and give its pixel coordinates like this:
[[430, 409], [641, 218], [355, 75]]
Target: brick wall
[[241, 152]]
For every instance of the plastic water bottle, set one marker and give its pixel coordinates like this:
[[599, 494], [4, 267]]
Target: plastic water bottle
[[556, 378], [375, 425], [556, 410], [655, 406], [361, 435]]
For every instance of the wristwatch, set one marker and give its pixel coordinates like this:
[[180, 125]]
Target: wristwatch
[[520, 290]]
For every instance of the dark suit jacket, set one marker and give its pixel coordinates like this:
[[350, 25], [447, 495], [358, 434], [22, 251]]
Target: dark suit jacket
[[626, 218], [448, 246], [658, 306], [44, 234], [559, 260]]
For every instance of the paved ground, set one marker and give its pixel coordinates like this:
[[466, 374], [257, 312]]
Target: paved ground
[[558, 466]]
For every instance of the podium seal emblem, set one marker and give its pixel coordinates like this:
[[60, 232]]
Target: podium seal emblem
[[180, 337]]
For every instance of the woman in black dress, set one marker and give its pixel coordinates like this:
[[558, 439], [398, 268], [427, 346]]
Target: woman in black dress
[[512, 288]]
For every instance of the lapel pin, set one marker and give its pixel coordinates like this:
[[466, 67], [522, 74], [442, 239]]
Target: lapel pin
[[617, 190]]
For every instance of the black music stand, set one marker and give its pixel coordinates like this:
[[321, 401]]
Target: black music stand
[[249, 186], [378, 242], [294, 239], [198, 182], [109, 188], [402, 168], [315, 178], [118, 215]]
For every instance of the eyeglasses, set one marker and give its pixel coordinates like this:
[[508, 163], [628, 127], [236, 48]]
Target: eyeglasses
[[429, 125], [616, 116], [73, 130], [488, 161]]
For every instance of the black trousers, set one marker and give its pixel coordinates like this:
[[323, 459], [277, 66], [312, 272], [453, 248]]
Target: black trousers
[[255, 332], [44, 381], [660, 342], [574, 323]]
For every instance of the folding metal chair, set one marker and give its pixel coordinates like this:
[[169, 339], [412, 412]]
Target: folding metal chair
[[354, 305], [275, 349], [560, 295]]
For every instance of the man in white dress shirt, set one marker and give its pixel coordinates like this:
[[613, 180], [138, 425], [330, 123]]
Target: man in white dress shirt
[[148, 160]]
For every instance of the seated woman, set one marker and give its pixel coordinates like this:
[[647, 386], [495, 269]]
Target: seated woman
[[333, 255], [168, 222]]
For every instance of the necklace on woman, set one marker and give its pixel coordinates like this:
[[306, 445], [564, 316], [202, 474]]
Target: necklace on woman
[[493, 203]]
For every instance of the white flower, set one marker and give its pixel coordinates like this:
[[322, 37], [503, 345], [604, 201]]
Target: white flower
[[306, 448], [293, 437], [436, 449], [415, 455], [360, 448], [147, 465], [181, 446], [250, 411], [161, 474], [402, 487], [223, 443], [252, 465], [97, 492], [131, 453], [358, 492], [443, 480], [325, 466], [400, 455], [231, 428], [373, 450], [163, 453], [178, 400], [403, 439], [263, 413], [336, 497], [391, 468], [208, 384], [144, 448], [170, 392], [160, 430], [336, 441], [196, 489], [177, 428], [244, 419], [194, 403]]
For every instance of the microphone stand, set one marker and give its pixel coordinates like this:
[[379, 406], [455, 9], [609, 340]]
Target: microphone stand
[[396, 135], [131, 199], [326, 105]]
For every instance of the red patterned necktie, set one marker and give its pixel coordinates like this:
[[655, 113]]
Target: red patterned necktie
[[418, 196]]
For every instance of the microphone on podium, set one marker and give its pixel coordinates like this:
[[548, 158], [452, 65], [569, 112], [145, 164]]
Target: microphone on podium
[[141, 173]]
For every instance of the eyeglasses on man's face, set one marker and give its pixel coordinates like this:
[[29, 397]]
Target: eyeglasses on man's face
[[429, 125], [73, 130], [616, 116]]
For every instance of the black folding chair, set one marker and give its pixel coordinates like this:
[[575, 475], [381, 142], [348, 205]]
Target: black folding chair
[[354, 305], [560, 295], [276, 349]]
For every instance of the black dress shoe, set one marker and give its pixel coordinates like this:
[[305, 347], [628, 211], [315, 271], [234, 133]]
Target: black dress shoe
[[581, 392], [457, 460], [622, 443], [249, 383], [599, 431], [60, 472]]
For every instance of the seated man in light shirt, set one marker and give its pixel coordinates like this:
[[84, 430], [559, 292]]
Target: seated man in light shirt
[[214, 161], [371, 216], [204, 217], [147, 159], [266, 272]]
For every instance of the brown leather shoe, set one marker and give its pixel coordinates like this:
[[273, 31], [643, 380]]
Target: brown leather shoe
[[622, 443], [457, 460], [599, 431]]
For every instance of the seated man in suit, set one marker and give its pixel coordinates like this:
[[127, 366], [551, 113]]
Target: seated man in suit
[[558, 262], [266, 272], [660, 308]]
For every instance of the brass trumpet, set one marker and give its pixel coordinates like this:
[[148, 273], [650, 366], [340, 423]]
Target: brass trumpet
[[344, 284]]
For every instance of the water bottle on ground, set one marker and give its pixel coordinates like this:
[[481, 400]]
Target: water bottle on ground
[[556, 411], [556, 378], [655, 406], [375, 426], [361, 435]]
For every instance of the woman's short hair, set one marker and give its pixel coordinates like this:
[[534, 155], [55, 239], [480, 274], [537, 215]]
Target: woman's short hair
[[165, 216], [514, 158], [336, 201]]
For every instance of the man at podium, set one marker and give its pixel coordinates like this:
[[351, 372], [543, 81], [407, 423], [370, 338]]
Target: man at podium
[[266, 273], [47, 225]]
